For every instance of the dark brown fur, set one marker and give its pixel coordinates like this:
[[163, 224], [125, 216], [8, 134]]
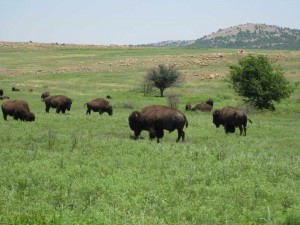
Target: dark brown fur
[[99, 105], [1, 92], [60, 102], [230, 118], [207, 106], [18, 109], [155, 119]]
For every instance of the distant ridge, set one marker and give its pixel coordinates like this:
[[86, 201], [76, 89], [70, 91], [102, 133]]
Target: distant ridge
[[250, 35], [171, 44]]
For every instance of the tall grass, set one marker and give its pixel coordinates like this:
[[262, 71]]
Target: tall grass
[[85, 169]]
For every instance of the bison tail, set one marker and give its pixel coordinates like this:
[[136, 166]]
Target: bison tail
[[186, 122], [250, 121]]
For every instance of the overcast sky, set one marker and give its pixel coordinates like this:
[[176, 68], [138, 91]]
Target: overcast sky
[[135, 21]]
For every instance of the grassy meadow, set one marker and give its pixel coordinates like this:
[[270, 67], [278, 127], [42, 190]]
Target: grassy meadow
[[85, 169]]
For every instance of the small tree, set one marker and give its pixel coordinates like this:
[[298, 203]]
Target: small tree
[[259, 81], [163, 77]]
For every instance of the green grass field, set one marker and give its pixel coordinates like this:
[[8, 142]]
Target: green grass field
[[85, 169]]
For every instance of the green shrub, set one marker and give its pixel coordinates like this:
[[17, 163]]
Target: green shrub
[[259, 81]]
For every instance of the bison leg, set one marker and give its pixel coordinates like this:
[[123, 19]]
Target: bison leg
[[226, 128], [152, 133], [181, 135], [4, 115], [58, 109], [88, 111], [159, 134], [47, 108], [16, 116], [241, 129]]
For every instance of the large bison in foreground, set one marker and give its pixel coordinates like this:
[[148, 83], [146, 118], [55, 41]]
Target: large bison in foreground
[[230, 118], [99, 105], [18, 109], [156, 119], [60, 102], [207, 106]]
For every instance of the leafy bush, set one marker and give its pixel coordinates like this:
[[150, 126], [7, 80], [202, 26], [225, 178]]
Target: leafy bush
[[259, 81], [163, 77]]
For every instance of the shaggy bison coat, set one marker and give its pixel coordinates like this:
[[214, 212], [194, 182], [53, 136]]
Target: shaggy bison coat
[[45, 95], [99, 105], [18, 109], [207, 106], [60, 102], [230, 118], [156, 119]]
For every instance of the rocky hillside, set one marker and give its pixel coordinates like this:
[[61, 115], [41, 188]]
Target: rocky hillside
[[259, 36], [253, 36]]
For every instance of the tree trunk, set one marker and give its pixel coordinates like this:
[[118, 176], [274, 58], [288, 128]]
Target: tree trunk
[[161, 92]]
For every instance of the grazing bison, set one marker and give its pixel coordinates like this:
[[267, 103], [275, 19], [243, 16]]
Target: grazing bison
[[18, 109], [15, 89], [99, 105], [60, 102], [230, 118], [1, 92], [4, 97], [156, 119], [45, 95], [207, 106]]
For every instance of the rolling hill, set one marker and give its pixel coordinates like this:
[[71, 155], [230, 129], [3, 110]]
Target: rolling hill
[[250, 35]]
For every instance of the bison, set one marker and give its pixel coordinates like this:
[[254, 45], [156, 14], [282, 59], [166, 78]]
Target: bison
[[3, 97], [18, 109], [60, 102], [156, 119], [45, 95], [230, 118], [99, 105], [15, 89], [207, 106]]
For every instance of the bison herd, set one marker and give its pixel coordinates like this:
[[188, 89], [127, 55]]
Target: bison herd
[[154, 118]]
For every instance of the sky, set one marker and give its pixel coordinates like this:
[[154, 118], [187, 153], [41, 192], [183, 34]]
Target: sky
[[131, 22]]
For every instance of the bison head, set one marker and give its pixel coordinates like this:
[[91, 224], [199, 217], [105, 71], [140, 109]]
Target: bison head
[[216, 118], [110, 110], [29, 116], [45, 95], [210, 102], [135, 123], [68, 103], [188, 107]]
